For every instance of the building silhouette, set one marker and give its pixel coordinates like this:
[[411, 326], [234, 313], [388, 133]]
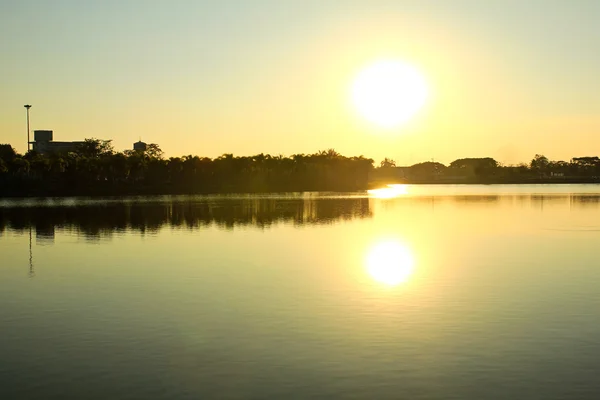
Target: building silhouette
[[140, 146], [44, 143]]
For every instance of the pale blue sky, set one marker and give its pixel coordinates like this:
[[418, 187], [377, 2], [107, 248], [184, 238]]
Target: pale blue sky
[[509, 78]]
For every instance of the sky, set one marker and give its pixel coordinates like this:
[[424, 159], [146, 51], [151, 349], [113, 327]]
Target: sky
[[507, 78]]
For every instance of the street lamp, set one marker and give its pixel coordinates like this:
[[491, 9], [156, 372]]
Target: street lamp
[[28, 106]]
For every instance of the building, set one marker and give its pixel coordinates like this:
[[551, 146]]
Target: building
[[140, 146], [44, 144]]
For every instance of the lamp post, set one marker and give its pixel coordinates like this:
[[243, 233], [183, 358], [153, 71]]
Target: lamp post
[[28, 106]]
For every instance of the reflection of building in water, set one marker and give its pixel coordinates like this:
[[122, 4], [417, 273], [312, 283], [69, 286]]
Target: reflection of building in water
[[44, 234]]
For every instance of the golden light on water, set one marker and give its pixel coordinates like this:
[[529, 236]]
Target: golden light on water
[[390, 263], [389, 192], [388, 93]]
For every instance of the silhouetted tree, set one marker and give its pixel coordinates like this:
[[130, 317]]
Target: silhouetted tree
[[427, 170], [387, 163], [540, 163], [7, 153], [154, 151], [478, 167], [95, 148], [587, 166]]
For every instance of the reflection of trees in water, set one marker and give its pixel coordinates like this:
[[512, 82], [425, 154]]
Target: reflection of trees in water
[[585, 200], [478, 199], [491, 200], [95, 219], [535, 199], [100, 219], [528, 198]]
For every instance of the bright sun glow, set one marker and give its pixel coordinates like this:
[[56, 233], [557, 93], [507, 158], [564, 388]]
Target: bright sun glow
[[389, 93], [389, 192], [390, 263]]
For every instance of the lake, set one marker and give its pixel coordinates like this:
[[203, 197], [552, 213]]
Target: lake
[[408, 292]]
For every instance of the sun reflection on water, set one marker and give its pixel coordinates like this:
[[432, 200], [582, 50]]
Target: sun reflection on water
[[390, 263], [389, 192]]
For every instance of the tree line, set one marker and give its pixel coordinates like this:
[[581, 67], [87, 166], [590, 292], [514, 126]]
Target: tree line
[[95, 168], [487, 170]]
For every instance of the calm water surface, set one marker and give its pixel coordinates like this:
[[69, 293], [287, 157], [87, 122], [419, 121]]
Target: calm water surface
[[416, 292]]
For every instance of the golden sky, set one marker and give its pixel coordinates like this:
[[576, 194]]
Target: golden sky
[[506, 79]]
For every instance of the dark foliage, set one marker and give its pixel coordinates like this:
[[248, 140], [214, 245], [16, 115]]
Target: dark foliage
[[96, 169], [488, 170]]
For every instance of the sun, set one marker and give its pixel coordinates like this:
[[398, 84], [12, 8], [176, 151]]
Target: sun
[[390, 263], [389, 93]]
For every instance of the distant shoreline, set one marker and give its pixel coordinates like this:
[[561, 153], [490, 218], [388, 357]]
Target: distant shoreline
[[118, 192], [540, 181], [94, 169]]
